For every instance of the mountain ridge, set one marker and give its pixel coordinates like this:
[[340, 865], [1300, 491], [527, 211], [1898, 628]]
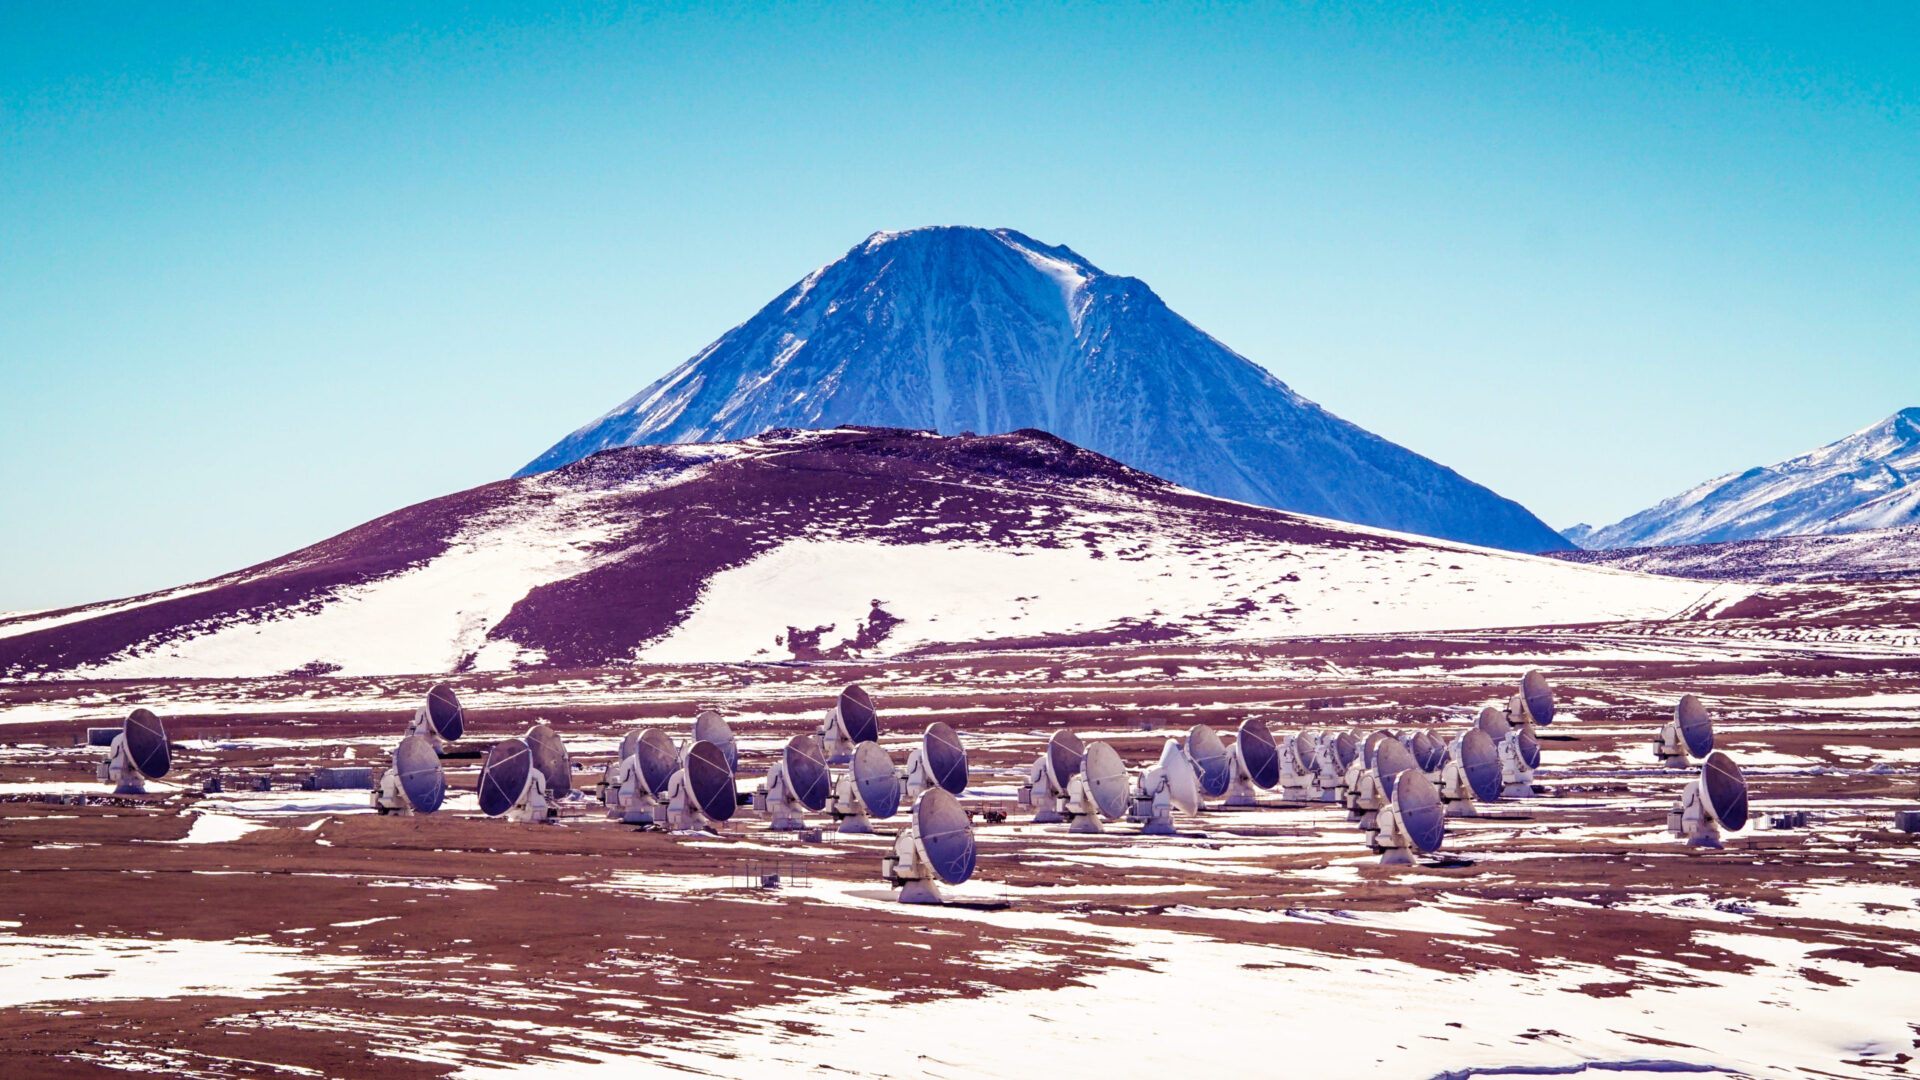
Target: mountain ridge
[[1865, 481], [956, 329]]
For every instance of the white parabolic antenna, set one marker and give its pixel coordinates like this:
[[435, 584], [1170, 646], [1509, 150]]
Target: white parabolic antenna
[[1255, 762], [868, 788], [1413, 820], [852, 721], [1716, 800], [702, 792], [1047, 780], [713, 727], [138, 754], [416, 783], [440, 720], [936, 846], [510, 786], [800, 781], [1690, 732], [1099, 790], [1169, 785], [939, 761], [550, 757], [1537, 698], [1212, 765]]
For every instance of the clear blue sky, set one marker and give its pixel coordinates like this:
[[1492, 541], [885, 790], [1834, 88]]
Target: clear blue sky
[[266, 273]]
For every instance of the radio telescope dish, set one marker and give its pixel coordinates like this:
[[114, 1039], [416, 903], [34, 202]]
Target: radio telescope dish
[[1495, 724], [878, 784], [1211, 763], [1107, 780], [1301, 747], [1422, 819], [710, 780], [1537, 696], [945, 757], [1726, 790], [937, 845], [1256, 754], [858, 715], [1390, 759], [709, 725], [416, 765], [1183, 785], [807, 772], [630, 744], [504, 776], [1345, 749], [449, 720], [1427, 750], [1529, 748], [1065, 752], [659, 760], [1696, 725], [1481, 760], [147, 747], [550, 757]]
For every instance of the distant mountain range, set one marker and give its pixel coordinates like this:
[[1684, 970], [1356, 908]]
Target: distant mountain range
[[1874, 555], [814, 545], [959, 330], [1864, 481]]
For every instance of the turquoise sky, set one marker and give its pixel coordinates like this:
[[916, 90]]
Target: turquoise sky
[[266, 274]]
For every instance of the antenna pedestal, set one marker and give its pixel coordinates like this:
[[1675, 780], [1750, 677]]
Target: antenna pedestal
[[388, 797], [534, 807], [1241, 793], [1396, 857], [118, 770]]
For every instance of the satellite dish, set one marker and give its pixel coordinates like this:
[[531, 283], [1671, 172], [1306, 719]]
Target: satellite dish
[[550, 757], [1098, 790], [1065, 752], [658, 758], [1255, 762], [1689, 732], [1481, 760], [709, 725], [798, 782], [1299, 777], [1212, 765], [444, 714], [147, 748], [806, 764], [1413, 821], [1537, 697], [862, 720], [938, 845], [1345, 749], [415, 783], [1718, 799], [702, 790], [1301, 745], [1529, 747], [1371, 743], [630, 743], [1495, 724], [1390, 759], [505, 776], [1428, 750], [1183, 785], [875, 780], [944, 757], [138, 753]]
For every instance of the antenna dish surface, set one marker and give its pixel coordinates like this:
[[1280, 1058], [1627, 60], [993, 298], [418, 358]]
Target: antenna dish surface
[[1725, 789], [1302, 747], [858, 715], [1345, 749], [1494, 723], [630, 744], [1538, 696], [420, 774], [1210, 760], [1258, 752], [1107, 779], [945, 757], [1065, 751], [1480, 760], [1428, 750], [1529, 748], [147, 743], [878, 784], [1696, 725], [711, 780], [946, 834], [1390, 759], [712, 727], [1183, 787], [805, 760], [1421, 812], [504, 776], [659, 759], [449, 720], [550, 757]]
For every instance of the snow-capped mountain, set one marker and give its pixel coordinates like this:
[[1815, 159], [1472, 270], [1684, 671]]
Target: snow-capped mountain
[[802, 545], [1873, 555], [1864, 481], [961, 329]]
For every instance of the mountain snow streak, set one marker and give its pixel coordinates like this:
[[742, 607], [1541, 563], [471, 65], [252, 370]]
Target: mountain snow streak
[[968, 330], [1864, 481]]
